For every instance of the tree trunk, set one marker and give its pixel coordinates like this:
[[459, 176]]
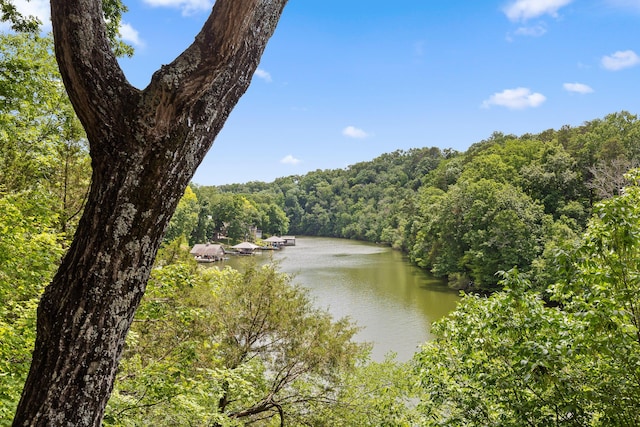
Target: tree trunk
[[145, 147]]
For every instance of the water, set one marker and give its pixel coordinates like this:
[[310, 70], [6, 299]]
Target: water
[[393, 301]]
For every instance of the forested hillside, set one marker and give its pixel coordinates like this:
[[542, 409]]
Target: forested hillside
[[507, 201]]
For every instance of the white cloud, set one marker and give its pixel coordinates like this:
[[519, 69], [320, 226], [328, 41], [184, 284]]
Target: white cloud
[[289, 160], [130, 34], [535, 31], [620, 60], [577, 88], [188, 7], [521, 10], [38, 8], [354, 132], [515, 99], [264, 75]]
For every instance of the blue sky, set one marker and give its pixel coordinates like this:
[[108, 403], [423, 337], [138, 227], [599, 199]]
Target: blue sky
[[344, 81]]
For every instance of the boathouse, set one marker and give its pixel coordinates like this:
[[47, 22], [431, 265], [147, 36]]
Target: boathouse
[[289, 240], [245, 248], [207, 252], [275, 241]]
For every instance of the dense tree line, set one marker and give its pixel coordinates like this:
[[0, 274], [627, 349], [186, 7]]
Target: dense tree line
[[205, 214], [367, 201], [513, 359], [504, 202]]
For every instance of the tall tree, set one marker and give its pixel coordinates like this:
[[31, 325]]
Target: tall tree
[[514, 360], [215, 346], [145, 146]]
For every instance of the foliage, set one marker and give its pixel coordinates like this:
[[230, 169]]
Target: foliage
[[44, 175], [185, 218], [236, 215], [513, 360], [19, 22], [479, 228], [217, 346], [376, 394], [42, 144], [565, 357], [30, 250], [112, 9], [184, 358], [367, 201]]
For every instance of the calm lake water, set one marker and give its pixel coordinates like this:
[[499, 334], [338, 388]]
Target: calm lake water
[[393, 301]]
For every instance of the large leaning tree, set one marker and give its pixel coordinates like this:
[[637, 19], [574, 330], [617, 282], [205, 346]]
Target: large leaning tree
[[145, 146]]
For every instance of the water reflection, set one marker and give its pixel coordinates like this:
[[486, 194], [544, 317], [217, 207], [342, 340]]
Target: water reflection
[[393, 301]]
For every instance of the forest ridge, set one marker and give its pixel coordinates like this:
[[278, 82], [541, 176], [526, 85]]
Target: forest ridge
[[507, 201]]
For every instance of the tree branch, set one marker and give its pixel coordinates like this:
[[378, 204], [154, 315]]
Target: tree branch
[[88, 67], [235, 33]]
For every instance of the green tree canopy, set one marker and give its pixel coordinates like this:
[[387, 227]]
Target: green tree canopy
[[42, 144], [513, 360], [223, 345], [30, 251]]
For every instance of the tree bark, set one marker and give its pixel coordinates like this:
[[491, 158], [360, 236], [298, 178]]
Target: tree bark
[[145, 147]]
